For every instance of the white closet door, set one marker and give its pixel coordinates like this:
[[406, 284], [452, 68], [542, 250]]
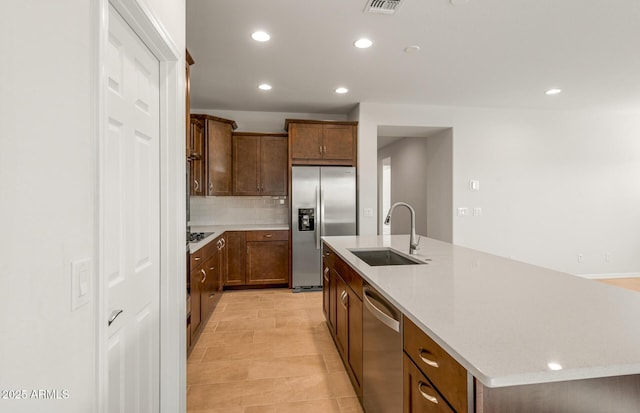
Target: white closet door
[[131, 217]]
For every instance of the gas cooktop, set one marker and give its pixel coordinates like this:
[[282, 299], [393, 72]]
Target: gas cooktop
[[198, 236]]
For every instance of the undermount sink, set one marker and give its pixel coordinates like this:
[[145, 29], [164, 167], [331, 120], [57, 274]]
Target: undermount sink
[[385, 256]]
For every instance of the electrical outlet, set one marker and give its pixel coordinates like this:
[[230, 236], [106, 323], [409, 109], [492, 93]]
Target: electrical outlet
[[463, 212], [607, 257], [580, 257], [477, 211]]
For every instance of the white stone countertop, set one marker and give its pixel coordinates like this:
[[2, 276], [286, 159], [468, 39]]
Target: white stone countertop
[[507, 322], [218, 230]]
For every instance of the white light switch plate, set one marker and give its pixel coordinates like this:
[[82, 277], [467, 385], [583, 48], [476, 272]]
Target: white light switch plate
[[80, 283], [368, 212]]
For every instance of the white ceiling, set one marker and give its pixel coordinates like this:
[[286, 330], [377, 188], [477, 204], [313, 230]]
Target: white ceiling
[[485, 53]]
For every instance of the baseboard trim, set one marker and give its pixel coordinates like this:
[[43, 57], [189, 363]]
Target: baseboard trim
[[610, 275]]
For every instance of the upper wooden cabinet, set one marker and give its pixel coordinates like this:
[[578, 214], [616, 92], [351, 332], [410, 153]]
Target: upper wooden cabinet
[[314, 142], [259, 164], [196, 156], [211, 155]]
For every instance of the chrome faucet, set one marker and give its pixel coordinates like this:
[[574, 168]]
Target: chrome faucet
[[413, 240]]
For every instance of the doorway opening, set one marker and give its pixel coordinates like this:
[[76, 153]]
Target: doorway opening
[[385, 194], [415, 165]]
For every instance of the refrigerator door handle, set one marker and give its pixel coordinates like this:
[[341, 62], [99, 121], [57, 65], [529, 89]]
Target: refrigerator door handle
[[322, 212], [318, 217]]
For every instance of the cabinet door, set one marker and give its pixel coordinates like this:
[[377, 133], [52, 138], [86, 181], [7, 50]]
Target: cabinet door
[[333, 299], [236, 251], [338, 142], [418, 393], [210, 286], [273, 165], [196, 165], [342, 317], [219, 171], [326, 290], [246, 168], [267, 262], [355, 337], [305, 141], [196, 288], [222, 264]]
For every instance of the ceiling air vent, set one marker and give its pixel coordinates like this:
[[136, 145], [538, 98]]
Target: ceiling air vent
[[382, 6]]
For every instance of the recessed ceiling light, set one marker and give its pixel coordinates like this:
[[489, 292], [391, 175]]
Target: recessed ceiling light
[[362, 43], [260, 36], [553, 91], [342, 90], [264, 86], [412, 49]]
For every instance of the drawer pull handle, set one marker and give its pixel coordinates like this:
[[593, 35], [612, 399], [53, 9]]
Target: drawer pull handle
[[326, 274], [429, 362], [204, 274], [268, 235], [197, 258], [344, 299], [429, 397]]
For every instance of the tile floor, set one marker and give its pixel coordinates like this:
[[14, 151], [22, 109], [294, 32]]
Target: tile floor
[[629, 283], [268, 351]]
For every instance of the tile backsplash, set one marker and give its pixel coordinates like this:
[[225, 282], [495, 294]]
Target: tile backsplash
[[239, 210]]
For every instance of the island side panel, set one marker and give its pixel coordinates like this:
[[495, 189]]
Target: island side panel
[[619, 394]]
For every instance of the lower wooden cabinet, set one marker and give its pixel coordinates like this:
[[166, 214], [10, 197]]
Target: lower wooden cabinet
[[195, 283], [442, 370], [342, 289], [236, 251], [419, 394], [257, 258], [267, 257], [205, 285]]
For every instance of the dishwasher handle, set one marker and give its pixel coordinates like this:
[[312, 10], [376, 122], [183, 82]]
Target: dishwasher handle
[[390, 322]]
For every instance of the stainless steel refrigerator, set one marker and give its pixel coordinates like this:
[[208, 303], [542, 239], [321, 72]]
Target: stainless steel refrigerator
[[323, 202]]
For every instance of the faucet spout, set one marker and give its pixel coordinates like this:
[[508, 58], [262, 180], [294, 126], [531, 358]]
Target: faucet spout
[[413, 240]]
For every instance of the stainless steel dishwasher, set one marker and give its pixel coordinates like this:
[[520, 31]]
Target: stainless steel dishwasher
[[382, 354]]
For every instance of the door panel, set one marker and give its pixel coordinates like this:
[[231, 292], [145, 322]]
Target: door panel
[[338, 142], [236, 251], [338, 200], [273, 162], [246, 169], [306, 140], [306, 259], [131, 221], [219, 158], [268, 262]]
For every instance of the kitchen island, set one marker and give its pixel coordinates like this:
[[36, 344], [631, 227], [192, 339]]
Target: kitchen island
[[531, 339]]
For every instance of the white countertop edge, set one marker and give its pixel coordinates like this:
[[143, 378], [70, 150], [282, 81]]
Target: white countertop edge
[[218, 230], [529, 377]]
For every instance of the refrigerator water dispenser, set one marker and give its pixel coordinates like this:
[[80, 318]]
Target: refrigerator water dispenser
[[306, 219]]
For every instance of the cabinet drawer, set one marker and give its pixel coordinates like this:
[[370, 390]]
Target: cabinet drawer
[[419, 394], [197, 258], [328, 256], [253, 236], [446, 374], [351, 277]]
